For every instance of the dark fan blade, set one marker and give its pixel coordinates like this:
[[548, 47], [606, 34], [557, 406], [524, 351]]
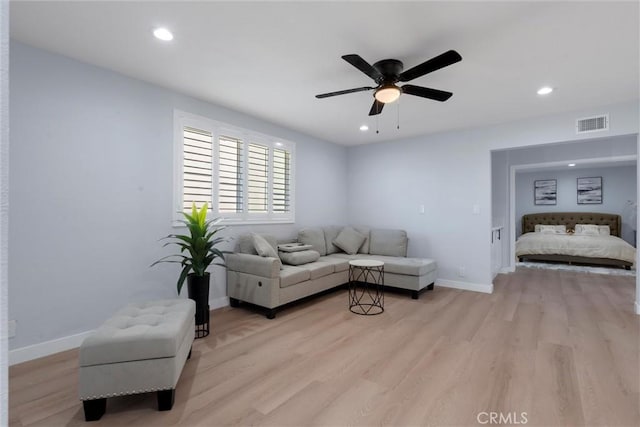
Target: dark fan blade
[[441, 61], [376, 108], [363, 66], [342, 92], [425, 92]]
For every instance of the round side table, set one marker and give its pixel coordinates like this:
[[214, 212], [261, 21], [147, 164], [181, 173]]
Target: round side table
[[366, 286]]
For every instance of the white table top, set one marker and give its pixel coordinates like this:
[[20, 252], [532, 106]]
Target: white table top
[[366, 263]]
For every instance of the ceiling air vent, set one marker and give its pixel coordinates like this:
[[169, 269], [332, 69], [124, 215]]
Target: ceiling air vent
[[592, 124]]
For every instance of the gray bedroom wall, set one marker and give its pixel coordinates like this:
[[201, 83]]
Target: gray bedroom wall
[[596, 148], [619, 187], [91, 192]]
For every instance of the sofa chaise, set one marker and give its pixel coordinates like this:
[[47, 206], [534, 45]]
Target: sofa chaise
[[269, 280]]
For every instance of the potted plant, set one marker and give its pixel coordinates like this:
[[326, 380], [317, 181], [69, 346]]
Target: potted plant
[[197, 252]]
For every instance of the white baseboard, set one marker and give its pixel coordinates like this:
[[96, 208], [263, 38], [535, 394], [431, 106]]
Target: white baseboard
[[467, 286], [218, 303], [508, 269], [637, 305], [47, 348]]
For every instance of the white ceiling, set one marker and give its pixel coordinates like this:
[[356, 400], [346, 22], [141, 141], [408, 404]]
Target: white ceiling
[[269, 59]]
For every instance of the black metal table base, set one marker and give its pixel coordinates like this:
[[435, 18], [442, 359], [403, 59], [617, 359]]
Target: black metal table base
[[202, 329], [366, 290]]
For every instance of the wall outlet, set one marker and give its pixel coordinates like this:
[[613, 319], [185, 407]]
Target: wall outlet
[[462, 271], [12, 328]]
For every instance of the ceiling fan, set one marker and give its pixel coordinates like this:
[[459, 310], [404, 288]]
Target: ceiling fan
[[388, 72]]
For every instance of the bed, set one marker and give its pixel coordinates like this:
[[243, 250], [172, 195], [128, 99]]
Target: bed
[[594, 249]]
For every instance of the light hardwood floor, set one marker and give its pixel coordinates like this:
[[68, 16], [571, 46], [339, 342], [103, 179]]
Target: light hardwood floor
[[560, 346]]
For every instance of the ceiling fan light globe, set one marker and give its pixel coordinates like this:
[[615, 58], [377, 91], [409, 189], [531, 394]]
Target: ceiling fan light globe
[[387, 94]]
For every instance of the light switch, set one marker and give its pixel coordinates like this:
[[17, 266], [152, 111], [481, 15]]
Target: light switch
[[476, 209], [421, 209]]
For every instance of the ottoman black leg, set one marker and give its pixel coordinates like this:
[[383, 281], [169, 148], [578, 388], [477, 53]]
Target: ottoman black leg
[[165, 399], [430, 287], [271, 314], [233, 302], [414, 294], [189, 355], [94, 409]]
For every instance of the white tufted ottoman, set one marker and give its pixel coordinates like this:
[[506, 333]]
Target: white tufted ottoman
[[142, 348]]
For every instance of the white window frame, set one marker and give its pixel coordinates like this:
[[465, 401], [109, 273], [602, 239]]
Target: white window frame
[[183, 119]]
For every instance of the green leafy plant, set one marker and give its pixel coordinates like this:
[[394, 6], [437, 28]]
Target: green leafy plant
[[198, 249]]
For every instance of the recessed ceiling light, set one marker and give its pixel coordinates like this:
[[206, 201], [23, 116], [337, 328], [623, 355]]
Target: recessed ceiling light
[[364, 128], [163, 34], [571, 165], [546, 90]]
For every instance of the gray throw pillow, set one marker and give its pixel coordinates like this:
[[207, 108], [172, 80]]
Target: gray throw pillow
[[299, 258], [263, 247], [315, 238], [349, 240]]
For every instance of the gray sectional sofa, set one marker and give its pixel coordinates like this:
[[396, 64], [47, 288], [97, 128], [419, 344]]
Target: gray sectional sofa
[[264, 280]]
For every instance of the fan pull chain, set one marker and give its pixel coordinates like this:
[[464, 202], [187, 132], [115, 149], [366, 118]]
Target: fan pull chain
[[398, 119], [377, 131]]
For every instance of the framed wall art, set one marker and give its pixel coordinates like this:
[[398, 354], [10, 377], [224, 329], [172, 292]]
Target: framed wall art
[[590, 190], [545, 192]]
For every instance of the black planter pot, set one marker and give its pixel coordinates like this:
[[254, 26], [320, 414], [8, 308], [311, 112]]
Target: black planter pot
[[198, 287]]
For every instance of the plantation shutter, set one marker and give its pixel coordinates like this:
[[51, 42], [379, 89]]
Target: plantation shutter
[[281, 181], [230, 193], [258, 178], [196, 178]]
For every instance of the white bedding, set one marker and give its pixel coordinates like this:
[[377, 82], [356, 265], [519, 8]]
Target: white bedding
[[577, 245]]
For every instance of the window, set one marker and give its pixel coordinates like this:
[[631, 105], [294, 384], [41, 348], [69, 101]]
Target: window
[[196, 167], [245, 176]]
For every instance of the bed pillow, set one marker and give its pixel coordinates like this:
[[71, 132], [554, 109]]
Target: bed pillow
[[263, 247], [587, 230], [299, 258], [349, 240], [550, 229], [604, 230]]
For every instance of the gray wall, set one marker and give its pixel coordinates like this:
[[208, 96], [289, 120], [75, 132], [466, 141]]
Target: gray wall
[[4, 206], [91, 191], [619, 186]]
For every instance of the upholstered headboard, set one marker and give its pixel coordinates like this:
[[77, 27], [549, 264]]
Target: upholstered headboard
[[570, 219]]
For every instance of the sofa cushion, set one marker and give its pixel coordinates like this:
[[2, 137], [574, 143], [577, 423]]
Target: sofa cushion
[[263, 247], [364, 249], [338, 263], [406, 266], [388, 242], [246, 245], [349, 240], [319, 269], [315, 238], [330, 234], [290, 275], [299, 258]]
